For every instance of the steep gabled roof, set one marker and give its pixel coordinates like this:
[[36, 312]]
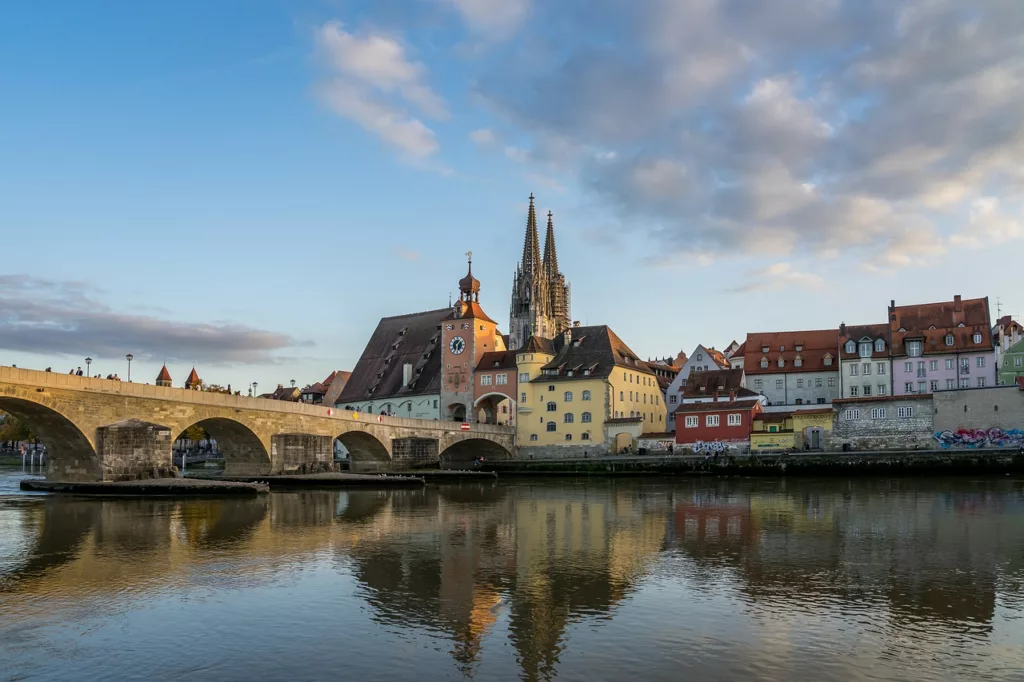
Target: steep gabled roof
[[815, 345], [193, 379], [932, 322], [538, 344], [164, 375], [705, 383], [592, 352], [398, 340]]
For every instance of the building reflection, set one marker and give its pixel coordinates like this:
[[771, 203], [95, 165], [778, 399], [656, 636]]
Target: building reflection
[[479, 565]]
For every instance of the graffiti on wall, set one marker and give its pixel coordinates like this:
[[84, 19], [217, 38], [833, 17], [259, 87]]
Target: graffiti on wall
[[980, 438], [709, 448]]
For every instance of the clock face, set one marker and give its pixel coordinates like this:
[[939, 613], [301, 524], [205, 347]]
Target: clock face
[[457, 345]]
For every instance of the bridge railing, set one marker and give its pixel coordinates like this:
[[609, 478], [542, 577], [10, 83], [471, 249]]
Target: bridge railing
[[35, 378]]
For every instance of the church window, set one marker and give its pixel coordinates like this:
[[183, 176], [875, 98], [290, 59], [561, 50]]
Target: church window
[[567, 396], [551, 426], [585, 417], [552, 407], [586, 395], [568, 417]]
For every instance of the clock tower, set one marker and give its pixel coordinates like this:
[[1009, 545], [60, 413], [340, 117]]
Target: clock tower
[[466, 334]]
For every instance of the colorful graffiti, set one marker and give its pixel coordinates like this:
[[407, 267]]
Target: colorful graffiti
[[710, 448], [980, 438]]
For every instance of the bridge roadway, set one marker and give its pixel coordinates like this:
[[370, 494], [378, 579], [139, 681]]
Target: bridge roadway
[[97, 429]]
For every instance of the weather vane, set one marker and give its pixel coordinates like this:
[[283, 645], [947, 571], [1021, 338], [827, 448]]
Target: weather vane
[[469, 254]]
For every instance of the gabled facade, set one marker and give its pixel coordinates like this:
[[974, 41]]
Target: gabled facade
[[736, 357], [1012, 367], [1006, 333], [796, 368], [495, 387], [941, 346], [865, 365], [702, 359]]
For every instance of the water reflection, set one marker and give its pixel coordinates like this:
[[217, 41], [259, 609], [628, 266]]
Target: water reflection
[[584, 579]]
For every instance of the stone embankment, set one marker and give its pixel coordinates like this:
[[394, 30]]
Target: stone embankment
[[161, 487], [328, 480]]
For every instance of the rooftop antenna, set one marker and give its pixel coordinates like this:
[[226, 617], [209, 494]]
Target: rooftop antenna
[[999, 307]]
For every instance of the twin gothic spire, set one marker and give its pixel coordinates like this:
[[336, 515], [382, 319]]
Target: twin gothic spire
[[540, 294], [532, 261]]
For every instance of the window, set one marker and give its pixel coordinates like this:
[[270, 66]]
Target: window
[[798, 361], [908, 367], [865, 350], [524, 377], [921, 386], [880, 369], [631, 396], [981, 362], [735, 419], [914, 348], [501, 379], [854, 370], [586, 395], [882, 389], [965, 365], [949, 339], [977, 337], [831, 381], [551, 388], [672, 398], [760, 384], [485, 379], [850, 346], [630, 378], [568, 436], [435, 404], [828, 360], [933, 365], [568, 418], [700, 356], [778, 383], [522, 397], [691, 421], [950, 384], [854, 391], [851, 414], [1018, 361], [878, 413], [820, 401], [782, 362], [866, 369], [879, 345], [817, 382], [567, 396], [620, 397], [867, 389], [949, 364], [585, 417], [905, 412], [965, 383], [981, 382], [908, 387], [585, 436], [799, 401], [799, 383], [711, 420], [533, 436], [933, 386], [764, 363], [551, 426], [552, 407]]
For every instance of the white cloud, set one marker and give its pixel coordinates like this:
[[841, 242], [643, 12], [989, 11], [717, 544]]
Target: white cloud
[[405, 254], [494, 18], [483, 137], [989, 226], [373, 84], [517, 154], [778, 276]]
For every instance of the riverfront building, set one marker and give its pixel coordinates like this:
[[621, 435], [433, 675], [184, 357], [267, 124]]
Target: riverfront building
[[865, 366], [793, 368]]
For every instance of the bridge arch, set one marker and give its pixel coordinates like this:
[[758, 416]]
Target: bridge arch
[[365, 451], [461, 453], [71, 455], [244, 452]]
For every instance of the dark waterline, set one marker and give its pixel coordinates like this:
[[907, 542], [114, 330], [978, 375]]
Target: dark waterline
[[913, 579]]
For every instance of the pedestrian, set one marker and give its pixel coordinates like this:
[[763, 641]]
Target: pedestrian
[[110, 376], [48, 369], [71, 371], [79, 372]]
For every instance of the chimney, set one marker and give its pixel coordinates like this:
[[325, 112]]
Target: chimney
[[576, 323], [842, 329], [958, 305], [732, 396], [407, 374], [892, 305], [716, 395]]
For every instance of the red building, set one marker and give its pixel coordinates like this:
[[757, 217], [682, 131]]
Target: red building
[[725, 419]]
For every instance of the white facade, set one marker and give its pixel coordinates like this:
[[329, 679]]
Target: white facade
[[412, 407], [795, 388], [700, 360]]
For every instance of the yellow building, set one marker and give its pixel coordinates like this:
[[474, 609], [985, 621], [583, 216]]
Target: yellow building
[[796, 430], [584, 392]]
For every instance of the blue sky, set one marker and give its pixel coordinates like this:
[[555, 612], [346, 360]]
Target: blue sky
[[249, 185]]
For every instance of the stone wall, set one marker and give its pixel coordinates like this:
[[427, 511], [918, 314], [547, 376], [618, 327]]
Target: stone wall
[[410, 453], [891, 432], [979, 417], [302, 453], [135, 450], [564, 451]]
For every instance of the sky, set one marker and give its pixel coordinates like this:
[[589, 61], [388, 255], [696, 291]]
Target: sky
[[247, 186]]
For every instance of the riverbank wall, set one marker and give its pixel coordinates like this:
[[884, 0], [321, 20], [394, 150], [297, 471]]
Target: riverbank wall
[[895, 463]]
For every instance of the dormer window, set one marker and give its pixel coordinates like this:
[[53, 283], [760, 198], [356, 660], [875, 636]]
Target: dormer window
[[782, 349], [850, 346], [764, 349], [764, 363], [782, 362], [915, 348], [865, 349], [879, 345], [949, 340], [977, 337], [960, 325], [799, 347], [827, 360], [798, 361]]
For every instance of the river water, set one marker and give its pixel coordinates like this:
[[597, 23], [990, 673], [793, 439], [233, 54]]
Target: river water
[[626, 579]]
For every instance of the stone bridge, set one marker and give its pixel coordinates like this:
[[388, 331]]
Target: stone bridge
[[97, 429]]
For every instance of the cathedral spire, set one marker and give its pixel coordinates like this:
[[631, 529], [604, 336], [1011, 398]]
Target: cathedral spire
[[531, 245], [550, 255]]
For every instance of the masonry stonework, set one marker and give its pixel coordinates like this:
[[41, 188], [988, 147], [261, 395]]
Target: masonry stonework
[[906, 423]]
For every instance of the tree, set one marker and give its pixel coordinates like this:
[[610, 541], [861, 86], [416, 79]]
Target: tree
[[195, 433], [214, 388], [11, 428]]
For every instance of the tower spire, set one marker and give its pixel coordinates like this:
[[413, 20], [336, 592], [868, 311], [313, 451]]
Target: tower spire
[[550, 255], [531, 244]]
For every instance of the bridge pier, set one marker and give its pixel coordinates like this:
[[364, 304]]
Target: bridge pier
[[301, 453], [133, 450], [410, 453]]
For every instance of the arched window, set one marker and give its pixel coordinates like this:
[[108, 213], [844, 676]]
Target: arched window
[[567, 396], [632, 414], [879, 345], [551, 426], [620, 396], [552, 407], [585, 417], [568, 436], [782, 362], [586, 395], [567, 418]]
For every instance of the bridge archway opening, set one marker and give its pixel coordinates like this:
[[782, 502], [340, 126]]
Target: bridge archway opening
[[457, 412], [495, 408], [243, 451], [462, 454], [365, 452], [70, 454]]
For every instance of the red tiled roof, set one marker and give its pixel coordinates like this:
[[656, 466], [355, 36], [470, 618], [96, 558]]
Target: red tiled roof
[[164, 375], [857, 333], [932, 322], [882, 398], [721, 405], [193, 378], [701, 384], [497, 359], [470, 310], [815, 346]]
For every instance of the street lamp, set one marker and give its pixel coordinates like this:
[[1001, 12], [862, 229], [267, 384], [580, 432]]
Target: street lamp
[[130, 358], [293, 383], [254, 385], [88, 372]]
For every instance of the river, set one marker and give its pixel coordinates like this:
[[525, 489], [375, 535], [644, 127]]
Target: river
[[643, 579]]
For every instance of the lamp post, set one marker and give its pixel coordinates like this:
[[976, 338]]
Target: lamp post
[[130, 358], [88, 371], [254, 385], [293, 383]]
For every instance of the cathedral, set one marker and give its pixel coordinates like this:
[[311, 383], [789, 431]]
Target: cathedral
[[540, 296]]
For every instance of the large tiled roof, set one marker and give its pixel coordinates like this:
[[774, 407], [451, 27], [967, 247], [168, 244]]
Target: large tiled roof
[[858, 333], [592, 352], [720, 405], [538, 344], [398, 340], [815, 346], [470, 310], [497, 359], [931, 322], [701, 384]]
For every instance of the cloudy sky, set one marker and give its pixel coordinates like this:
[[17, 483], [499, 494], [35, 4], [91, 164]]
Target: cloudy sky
[[248, 185]]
